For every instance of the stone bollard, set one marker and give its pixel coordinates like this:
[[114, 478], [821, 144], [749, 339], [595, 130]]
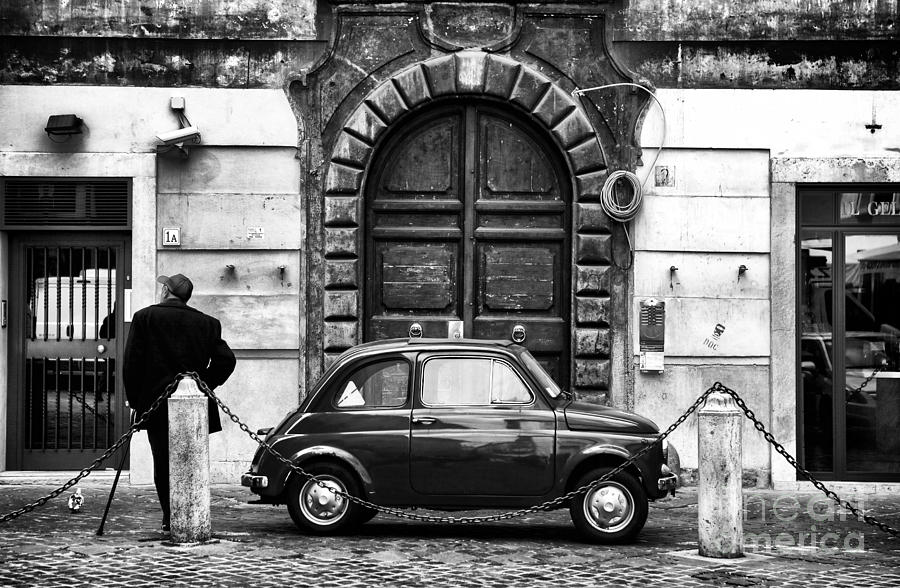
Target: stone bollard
[[189, 464], [719, 498]]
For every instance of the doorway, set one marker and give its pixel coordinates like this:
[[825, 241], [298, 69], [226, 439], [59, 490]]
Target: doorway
[[467, 226], [66, 317]]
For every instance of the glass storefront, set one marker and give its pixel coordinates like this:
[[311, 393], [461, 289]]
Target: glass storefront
[[849, 324]]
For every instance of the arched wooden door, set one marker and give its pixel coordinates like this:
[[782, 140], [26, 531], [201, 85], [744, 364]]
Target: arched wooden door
[[467, 219]]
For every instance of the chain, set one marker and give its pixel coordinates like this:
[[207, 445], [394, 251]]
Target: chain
[[867, 380], [96, 463], [719, 387], [545, 506], [90, 409]]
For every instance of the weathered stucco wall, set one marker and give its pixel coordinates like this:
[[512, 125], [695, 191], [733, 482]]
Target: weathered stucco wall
[[222, 43], [728, 215], [213, 43], [203, 19], [244, 175], [715, 20], [761, 43], [217, 197]]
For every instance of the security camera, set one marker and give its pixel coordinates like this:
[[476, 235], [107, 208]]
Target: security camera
[[186, 135]]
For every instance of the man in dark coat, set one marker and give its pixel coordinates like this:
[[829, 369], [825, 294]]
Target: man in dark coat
[[165, 340]]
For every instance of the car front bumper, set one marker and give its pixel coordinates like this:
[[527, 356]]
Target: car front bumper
[[667, 481], [253, 481]]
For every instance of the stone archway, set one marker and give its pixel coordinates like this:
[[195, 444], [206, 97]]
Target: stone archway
[[470, 73]]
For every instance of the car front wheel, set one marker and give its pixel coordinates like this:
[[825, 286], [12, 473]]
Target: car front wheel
[[321, 507], [614, 511]]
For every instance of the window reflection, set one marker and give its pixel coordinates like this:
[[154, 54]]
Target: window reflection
[[69, 379], [816, 349], [872, 365], [71, 294], [379, 385]]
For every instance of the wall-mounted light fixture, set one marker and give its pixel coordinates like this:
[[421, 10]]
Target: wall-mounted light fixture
[[63, 125]]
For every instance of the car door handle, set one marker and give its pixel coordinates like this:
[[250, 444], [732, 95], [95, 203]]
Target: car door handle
[[423, 420]]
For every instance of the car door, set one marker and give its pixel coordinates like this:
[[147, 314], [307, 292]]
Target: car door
[[478, 428], [365, 414]]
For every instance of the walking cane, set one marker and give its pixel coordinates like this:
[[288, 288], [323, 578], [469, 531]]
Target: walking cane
[[115, 481]]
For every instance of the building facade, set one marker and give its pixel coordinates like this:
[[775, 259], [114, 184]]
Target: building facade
[[382, 170]]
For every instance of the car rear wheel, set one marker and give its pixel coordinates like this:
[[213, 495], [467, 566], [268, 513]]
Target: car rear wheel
[[318, 506], [614, 511]]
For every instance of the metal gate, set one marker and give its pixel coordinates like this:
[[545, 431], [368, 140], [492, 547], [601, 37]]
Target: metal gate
[[66, 400]]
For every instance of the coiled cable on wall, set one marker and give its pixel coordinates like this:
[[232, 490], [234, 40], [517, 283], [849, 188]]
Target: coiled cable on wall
[[609, 199]]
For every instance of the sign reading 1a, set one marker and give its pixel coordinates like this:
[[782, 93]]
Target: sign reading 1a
[[171, 237]]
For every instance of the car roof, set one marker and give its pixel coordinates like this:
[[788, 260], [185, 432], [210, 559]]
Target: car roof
[[425, 344]]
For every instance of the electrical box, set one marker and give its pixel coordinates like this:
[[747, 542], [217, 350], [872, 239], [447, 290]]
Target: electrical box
[[652, 335]]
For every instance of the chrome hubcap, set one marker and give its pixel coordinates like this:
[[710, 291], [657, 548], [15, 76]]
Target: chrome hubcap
[[609, 507], [319, 501]]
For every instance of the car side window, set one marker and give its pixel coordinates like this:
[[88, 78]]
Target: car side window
[[471, 381], [507, 387], [384, 384]]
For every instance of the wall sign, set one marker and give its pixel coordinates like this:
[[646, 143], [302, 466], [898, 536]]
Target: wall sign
[[255, 233], [172, 237]]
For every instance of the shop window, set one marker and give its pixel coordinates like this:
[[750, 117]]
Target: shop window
[[849, 329]]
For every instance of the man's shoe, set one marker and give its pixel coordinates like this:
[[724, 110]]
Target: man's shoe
[[165, 527]]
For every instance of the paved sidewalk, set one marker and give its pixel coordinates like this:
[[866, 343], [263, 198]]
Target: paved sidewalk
[[258, 545]]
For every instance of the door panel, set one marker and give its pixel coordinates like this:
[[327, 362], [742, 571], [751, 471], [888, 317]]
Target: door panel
[[426, 162], [467, 221], [515, 167], [67, 406], [418, 276], [494, 451], [464, 442]]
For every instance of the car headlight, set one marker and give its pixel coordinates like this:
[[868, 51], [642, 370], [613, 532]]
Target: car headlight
[[665, 450]]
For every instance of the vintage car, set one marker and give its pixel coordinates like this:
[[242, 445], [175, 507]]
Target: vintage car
[[456, 425]]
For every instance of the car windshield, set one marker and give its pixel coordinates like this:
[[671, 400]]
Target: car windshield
[[541, 374]]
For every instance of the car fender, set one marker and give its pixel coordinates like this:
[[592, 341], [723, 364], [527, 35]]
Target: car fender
[[333, 453], [599, 450]]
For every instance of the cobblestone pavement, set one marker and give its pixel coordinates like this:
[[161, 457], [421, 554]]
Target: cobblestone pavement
[[258, 545]]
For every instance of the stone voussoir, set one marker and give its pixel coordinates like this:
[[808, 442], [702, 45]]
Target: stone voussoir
[[341, 273], [341, 242], [593, 249], [530, 87], [351, 151], [470, 71], [500, 76], [365, 124], [387, 101], [554, 106], [413, 86], [342, 211], [341, 179], [441, 74]]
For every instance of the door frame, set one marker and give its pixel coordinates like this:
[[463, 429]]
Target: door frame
[[599, 311], [468, 176], [839, 233], [18, 240]]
